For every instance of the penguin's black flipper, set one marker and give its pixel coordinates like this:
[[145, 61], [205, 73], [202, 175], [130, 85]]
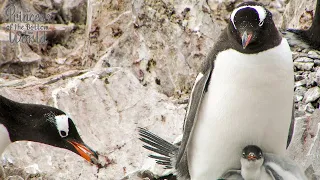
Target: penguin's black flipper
[[291, 128]]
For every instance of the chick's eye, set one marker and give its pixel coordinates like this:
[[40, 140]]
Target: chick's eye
[[63, 133], [243, 154]]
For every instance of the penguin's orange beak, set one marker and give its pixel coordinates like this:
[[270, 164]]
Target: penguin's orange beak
[[251, 157], [84, 151], [246, 38]]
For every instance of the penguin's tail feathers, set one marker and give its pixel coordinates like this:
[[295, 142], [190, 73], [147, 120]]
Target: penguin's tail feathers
[[166, 151]]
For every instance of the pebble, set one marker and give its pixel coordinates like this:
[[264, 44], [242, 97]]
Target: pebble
[[318, 76], [312, 94], [300, 83], [298, 98], [311, 79], [300, 91], [313, 55], [303, 59], [317, 62], [305, 66], [299, 77], [301, 107], [309, 108]]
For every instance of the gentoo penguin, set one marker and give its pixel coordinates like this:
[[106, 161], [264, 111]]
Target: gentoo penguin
[[43, 124], [306, 38], [243, 95], [256, 165]]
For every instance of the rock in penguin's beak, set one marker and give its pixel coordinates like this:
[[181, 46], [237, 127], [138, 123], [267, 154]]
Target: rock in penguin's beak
[[84, 151], [246, 38]]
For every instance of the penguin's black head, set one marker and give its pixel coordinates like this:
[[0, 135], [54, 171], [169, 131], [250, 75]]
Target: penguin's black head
[[251, 25], [252, 153], [44, 124], [65, 135]]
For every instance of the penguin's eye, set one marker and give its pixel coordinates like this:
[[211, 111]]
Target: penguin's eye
[[63, 134], [62, 123], [243, 154]]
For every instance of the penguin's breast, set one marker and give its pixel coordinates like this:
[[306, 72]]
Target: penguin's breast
[[4, 138]]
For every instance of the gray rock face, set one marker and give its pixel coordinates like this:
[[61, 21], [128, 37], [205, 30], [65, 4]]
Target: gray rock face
[[106, 118], [298, 14]]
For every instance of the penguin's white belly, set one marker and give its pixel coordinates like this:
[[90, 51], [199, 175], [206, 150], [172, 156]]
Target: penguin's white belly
[[4, 138], [248, 174], [249, 101]]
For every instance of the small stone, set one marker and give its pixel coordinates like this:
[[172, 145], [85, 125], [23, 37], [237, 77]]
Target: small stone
[[311, 79], [298, 98], [295, 55], [298, 114], [32, 169], [300, 83], [2, 173], [304, 66], [309, 108], [312, 94], [298, 72], [317, 62], [300, 91], [313, 55], [303, 59], [299, 77], [302, 107], [318, 76], [309, 172], [305, 50]]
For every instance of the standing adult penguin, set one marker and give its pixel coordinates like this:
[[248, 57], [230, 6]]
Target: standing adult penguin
[[43, 124], [243, 95]]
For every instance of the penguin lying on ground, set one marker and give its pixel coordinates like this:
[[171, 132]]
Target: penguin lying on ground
[[39, 123], [256, 165], [243, 95]]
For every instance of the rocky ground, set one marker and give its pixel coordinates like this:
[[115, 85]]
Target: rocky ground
[[116, 65]]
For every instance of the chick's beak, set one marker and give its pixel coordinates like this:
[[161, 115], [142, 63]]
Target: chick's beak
[[251, 157], [245, 39], [84, 151]]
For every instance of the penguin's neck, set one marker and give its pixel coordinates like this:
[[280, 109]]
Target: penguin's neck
[[251, 173], [8, 109]]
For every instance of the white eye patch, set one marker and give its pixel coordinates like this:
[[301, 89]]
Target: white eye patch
[[260, 10], [62, 124]]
